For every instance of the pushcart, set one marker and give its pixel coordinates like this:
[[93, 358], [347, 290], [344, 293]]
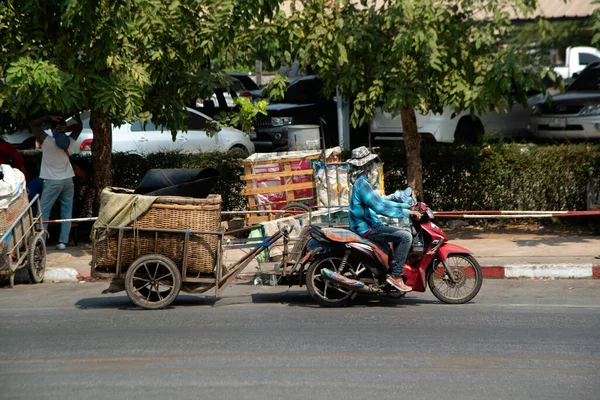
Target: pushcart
[[177, 245], [22, 243]]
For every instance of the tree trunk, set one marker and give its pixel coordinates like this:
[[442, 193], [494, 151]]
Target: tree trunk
[[412, 142], [101, 151]]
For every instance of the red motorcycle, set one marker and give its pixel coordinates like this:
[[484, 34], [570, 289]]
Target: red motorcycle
[[343, 264]]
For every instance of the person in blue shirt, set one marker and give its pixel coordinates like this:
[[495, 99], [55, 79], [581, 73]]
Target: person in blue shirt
[[34, 184], [366, 203]]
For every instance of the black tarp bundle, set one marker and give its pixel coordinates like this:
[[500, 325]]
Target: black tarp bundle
[[187, 182]]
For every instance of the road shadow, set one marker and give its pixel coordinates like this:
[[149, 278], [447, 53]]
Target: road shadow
[[550, 241], [303, 299], [123, 303]]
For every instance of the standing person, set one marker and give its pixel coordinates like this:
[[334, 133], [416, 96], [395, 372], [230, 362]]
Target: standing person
[[34, 184], [366, 203], [86, 195], [56, 169]]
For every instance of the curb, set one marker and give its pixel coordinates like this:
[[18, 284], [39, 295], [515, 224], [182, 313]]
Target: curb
[[540, 271], [523, 271]]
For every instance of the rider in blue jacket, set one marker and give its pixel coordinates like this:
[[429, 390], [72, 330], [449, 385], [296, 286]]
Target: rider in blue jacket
[[366, 203]]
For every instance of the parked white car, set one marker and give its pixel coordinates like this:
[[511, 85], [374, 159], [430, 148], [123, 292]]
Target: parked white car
[[574, 114], [576, 59], [445, 129], [136, 138]]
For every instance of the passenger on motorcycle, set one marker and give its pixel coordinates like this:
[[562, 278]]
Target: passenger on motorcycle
[[366, 203]]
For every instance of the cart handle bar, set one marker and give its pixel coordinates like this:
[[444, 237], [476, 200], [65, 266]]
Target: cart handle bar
[[186, 231]]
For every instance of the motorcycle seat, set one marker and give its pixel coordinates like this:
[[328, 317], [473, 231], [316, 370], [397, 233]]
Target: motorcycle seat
[[345, 235]]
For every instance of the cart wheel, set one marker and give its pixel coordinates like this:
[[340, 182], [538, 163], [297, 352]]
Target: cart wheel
[[294, 210], [152, 281], [36, 258]]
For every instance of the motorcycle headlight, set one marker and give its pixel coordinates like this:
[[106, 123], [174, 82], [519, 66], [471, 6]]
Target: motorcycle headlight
[[592, 109], [536, 110], [280, 121]]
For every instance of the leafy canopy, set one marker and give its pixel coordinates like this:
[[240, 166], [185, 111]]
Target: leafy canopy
[[122, 59], [424, 54]]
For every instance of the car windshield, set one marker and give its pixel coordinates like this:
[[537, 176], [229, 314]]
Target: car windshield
[[248, 83], [303, 91], [589, 80], [237, 85]]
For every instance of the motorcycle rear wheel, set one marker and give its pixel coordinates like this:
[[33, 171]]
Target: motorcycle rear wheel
[[467, 275], [323, 291]]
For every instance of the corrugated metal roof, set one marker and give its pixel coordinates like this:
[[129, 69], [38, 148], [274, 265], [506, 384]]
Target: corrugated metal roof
[[547, 8], [562, 9]]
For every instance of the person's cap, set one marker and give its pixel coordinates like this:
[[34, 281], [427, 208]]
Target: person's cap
[[361, 156], [61, 140]]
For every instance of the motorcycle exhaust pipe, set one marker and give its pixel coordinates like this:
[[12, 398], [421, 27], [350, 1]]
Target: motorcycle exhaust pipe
[[348, 283]]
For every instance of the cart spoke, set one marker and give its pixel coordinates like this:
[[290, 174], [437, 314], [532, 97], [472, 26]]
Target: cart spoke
[[147, 271], [162, 277], [140, 288], [156, 270], [149, 293], [141, 279]]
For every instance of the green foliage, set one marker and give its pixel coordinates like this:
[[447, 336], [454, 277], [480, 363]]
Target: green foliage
[[500, 176], [425, 54], [596, 24], [276, 88], [122, 60], [243, 118], [147, 59], [543, 35]]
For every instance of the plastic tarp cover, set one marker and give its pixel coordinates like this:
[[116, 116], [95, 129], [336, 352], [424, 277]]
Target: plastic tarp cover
[[187, 182], [12, 185], [119, 207]]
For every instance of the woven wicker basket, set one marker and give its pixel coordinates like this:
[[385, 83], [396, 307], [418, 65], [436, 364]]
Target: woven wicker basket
[[177, 213], [10, 215]]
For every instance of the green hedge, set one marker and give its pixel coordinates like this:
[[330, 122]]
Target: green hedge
[[493, 177], [500, 176]]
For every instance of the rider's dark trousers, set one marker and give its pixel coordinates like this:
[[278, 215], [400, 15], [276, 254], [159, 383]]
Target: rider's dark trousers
[[401, 238]]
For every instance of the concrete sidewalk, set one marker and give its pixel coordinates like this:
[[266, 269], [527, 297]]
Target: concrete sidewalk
[[501, 255]]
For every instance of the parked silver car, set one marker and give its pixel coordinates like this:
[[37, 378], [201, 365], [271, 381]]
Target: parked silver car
[[574, 114]]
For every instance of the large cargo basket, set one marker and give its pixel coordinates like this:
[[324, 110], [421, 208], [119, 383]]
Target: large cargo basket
[[179, 214]]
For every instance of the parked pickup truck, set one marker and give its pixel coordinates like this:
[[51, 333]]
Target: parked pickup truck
[[576, 59]]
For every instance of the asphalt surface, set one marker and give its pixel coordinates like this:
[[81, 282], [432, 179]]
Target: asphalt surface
[[519, 339]]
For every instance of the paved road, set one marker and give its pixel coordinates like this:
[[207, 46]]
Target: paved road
[[519, 340]]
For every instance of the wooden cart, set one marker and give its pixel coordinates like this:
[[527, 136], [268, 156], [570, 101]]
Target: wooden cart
[[22, 244], [176, 245], [275, 180]]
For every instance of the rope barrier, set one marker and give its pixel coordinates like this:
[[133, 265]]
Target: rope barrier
[[58, 221], [512, 214], [438, 214]]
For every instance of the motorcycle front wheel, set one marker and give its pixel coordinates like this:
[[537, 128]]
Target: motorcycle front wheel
[[323, 291], [466, 282]]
